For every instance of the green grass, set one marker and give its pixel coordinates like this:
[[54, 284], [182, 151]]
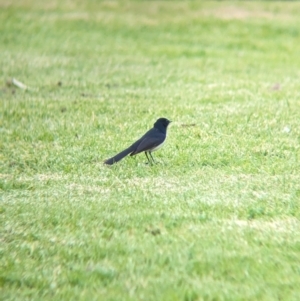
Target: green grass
[[217, 218]]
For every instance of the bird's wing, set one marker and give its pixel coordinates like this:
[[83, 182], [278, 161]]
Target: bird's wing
[[149, 142]]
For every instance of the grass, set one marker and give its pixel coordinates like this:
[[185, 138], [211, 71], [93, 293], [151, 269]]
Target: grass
[[217, 218]]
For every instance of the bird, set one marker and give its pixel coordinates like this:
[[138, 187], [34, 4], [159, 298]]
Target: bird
[[148, 143]]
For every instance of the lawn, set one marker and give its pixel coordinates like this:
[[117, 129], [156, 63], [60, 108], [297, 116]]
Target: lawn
[[217, 218]]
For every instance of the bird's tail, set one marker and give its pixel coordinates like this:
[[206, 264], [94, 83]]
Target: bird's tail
[[119, 156]]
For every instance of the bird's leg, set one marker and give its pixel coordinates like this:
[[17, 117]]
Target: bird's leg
[[148, 157], [151, 157]]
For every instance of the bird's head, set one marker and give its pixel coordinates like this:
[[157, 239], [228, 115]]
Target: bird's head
[[164, 122]]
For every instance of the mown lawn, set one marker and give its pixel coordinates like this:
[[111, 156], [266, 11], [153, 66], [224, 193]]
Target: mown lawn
[[217, 218]]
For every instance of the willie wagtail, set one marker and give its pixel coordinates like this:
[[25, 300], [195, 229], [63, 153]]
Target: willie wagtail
[[148, 143]]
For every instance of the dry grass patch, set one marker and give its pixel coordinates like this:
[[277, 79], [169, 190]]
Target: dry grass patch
[[287, 225]]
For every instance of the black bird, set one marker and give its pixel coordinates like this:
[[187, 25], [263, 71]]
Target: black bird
[[149, 143]]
